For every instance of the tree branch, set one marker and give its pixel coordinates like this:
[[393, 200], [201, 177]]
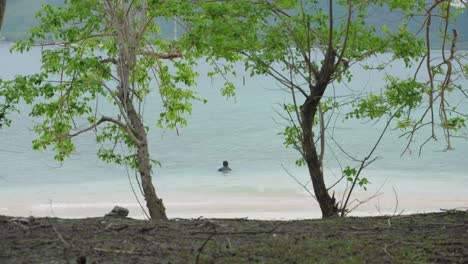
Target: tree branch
[[345, 41], [111, 120], [298, 182], [322, 136], [163, 56], [364, 161]]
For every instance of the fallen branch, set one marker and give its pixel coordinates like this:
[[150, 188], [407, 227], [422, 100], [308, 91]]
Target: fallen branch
[[200, 250], [386, 251], [115, 251], [240, 232], [365, 229], [116, 228], [60, 237]]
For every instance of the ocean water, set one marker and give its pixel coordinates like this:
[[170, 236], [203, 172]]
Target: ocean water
[[242, 130]]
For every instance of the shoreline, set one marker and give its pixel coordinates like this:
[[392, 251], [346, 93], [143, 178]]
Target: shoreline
[[268, 204], [259, 207]]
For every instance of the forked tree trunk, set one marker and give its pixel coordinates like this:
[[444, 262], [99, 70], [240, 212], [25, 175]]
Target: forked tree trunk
[[327, 204], [308, 111]]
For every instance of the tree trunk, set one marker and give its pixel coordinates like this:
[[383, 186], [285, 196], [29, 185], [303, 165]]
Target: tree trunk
[[155, 206], [327, 204], [2, 11]]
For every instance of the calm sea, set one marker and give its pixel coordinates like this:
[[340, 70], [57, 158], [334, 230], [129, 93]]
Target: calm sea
[[242, 130]]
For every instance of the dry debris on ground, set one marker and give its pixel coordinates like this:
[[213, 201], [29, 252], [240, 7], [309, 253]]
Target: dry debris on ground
[[433, 238]]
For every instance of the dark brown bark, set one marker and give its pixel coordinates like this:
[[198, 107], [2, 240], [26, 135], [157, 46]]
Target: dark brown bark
[[309, 110], [2, 12], [327, 204]]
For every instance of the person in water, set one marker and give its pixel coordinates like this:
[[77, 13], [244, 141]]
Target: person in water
[[225, 168]]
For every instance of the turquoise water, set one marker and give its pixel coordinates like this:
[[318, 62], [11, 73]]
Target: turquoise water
[[242, 130]]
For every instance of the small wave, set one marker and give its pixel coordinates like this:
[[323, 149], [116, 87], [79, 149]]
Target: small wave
[[83, 205]]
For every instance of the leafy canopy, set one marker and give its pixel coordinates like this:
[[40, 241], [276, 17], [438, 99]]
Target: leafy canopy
[[80, 49]]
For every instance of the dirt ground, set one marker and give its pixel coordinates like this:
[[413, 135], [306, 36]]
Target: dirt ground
[[422, 238]]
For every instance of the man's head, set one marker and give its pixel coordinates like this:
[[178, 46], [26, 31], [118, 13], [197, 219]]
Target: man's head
[[225, 163]]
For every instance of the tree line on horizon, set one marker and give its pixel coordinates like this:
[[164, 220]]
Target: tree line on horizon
[[111, 49], [23, 18]]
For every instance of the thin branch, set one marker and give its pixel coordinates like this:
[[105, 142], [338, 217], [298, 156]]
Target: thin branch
[[111, 120], [160, 55], [117, 102], [131, 186], [276, 74], [330, 30], [322, 135], [298, 182], [377, 193], [348, 23], [363, 162]]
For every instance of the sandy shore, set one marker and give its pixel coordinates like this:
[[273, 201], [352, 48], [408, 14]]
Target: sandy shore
[[253, 205]]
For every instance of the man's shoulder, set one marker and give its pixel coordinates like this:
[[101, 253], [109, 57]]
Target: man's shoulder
[[224, 169]]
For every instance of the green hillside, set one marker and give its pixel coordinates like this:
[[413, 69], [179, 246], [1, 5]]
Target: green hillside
[[20, 16]]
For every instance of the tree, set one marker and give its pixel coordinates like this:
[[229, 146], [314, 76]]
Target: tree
[[2, 11], [108, 49], [307, 47]]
